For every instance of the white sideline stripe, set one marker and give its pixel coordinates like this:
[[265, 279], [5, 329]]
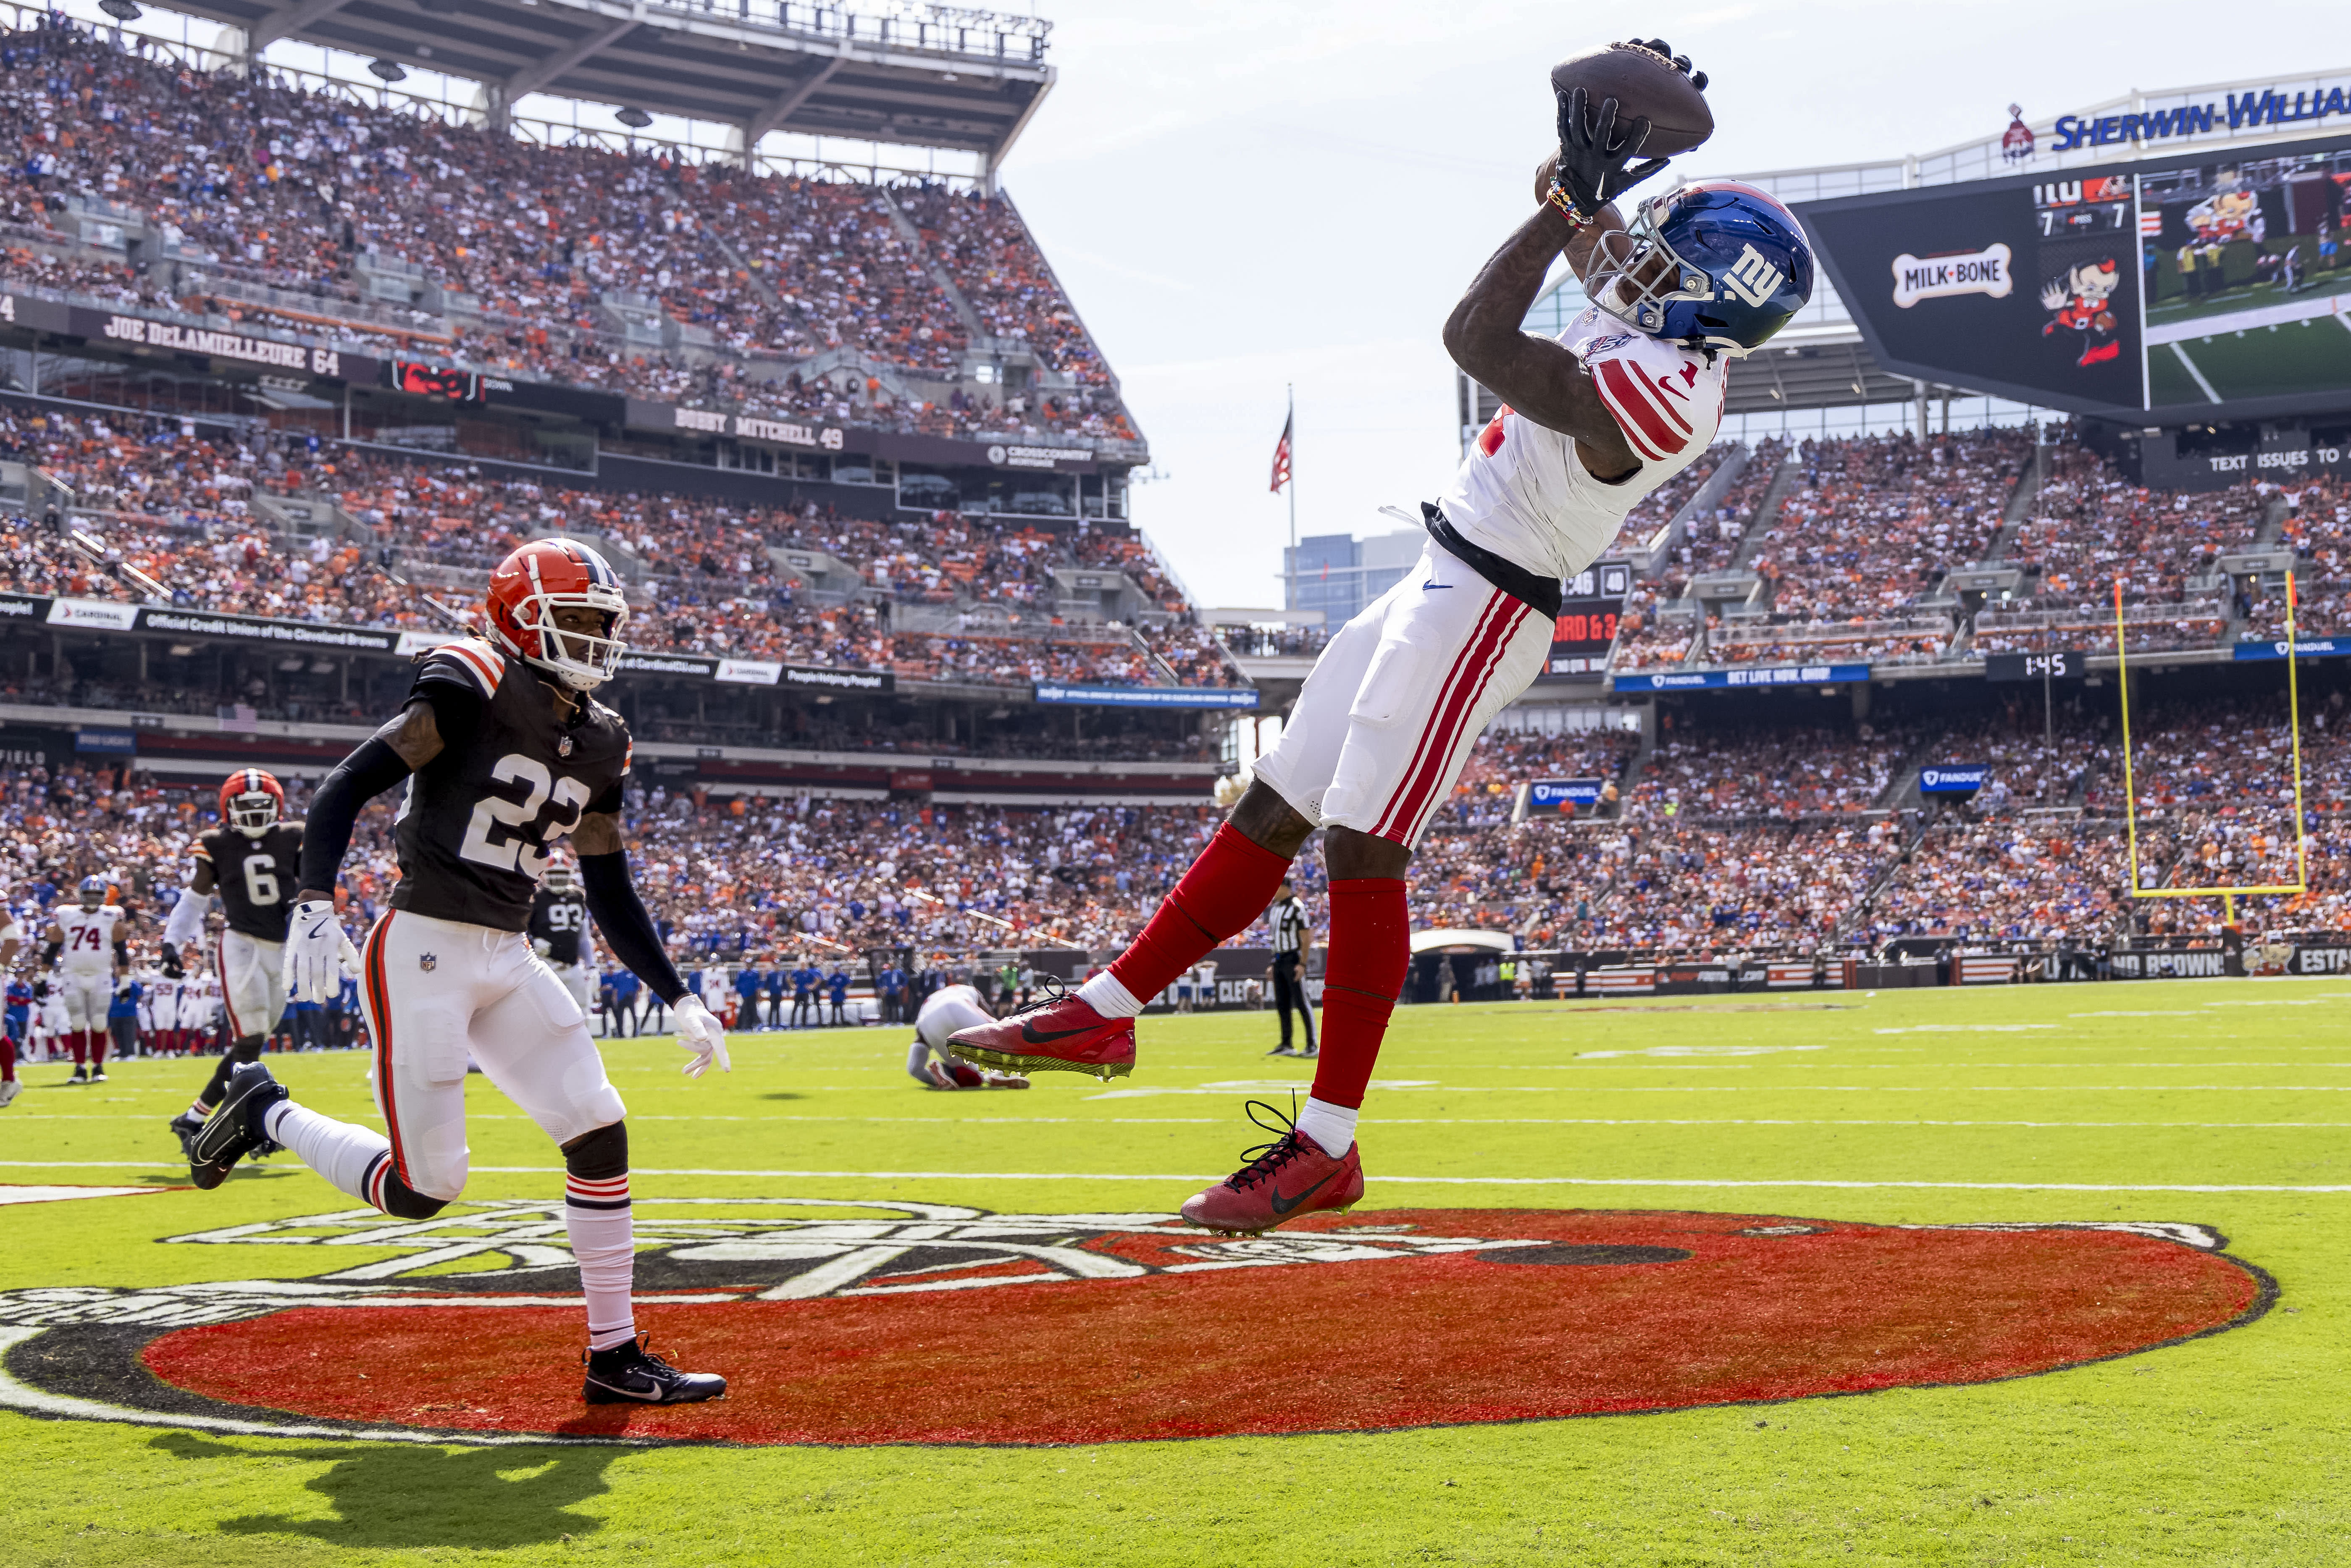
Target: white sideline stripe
[[20, 1397], [1446, 1181]]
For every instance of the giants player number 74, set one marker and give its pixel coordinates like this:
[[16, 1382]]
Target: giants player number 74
[[503, 751]]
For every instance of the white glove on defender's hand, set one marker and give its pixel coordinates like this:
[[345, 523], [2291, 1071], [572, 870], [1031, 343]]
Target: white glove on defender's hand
[[699, 1031], [318, 954]]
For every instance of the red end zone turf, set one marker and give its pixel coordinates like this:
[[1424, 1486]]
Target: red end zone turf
[[1820, 1308]]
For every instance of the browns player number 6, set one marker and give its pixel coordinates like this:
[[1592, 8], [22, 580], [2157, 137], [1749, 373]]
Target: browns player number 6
[[250, 860], [503, 751]]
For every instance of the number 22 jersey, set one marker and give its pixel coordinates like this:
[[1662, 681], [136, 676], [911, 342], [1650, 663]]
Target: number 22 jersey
[[477, 822]]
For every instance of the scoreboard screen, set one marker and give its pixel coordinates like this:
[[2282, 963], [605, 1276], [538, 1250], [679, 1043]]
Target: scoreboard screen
[[1589, 610], [2174, 288]]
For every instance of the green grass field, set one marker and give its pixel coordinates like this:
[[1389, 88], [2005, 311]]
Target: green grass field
[[2268, 362], [2218, 1102]]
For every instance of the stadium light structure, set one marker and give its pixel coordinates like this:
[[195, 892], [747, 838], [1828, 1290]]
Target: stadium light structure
[[121, 10], [632, 117], [386, 70]]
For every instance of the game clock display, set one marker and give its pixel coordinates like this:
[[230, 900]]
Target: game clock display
[[2179, 288]]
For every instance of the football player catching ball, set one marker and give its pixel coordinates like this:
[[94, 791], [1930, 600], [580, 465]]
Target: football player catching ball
[[503, 750], [1591, 422]]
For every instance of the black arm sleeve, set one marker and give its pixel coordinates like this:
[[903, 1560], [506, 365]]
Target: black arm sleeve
[[359, 777], [628, 929]]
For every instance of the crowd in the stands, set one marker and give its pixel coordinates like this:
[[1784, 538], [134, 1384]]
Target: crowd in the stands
[[669, 279], [705, 577]]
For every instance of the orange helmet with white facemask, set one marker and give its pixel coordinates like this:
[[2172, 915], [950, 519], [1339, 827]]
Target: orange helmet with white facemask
[[550, 575], [252, 802]]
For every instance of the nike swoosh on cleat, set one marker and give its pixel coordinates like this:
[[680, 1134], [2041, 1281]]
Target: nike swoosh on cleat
[[1030, 1033], [1282, 1206]]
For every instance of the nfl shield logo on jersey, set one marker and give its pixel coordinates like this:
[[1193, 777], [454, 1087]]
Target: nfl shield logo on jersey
[[426, 961]]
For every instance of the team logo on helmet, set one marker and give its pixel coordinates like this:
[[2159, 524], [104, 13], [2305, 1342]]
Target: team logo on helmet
[[535, 586], [1718, 266], [251, 801]]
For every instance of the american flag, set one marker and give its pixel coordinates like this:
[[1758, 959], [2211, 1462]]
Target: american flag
[[1281, 456]]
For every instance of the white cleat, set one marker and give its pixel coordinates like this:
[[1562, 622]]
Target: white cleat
[[8, 1090]]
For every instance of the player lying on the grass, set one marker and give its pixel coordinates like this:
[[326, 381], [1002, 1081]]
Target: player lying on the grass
[[503, 751], [87, 942], [944, 1011], [251, 861], [1591, 423]]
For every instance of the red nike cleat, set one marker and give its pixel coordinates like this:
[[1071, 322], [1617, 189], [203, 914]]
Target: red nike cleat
[[1282, 1180], [1061, 1035]]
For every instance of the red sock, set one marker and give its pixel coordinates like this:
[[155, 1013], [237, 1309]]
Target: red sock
[[7, 1059], [80, 1047], [1227, 888], [1371, 949], [97, 1049]]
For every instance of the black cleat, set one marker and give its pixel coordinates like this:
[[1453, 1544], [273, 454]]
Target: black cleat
[[1281, 1050], [632, 1375], [234, 1129], [80, 1076], [99, 1076], [184, 1127]]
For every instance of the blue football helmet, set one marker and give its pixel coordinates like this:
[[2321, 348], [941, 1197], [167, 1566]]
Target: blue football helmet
[[1736, 268], [92, 891]]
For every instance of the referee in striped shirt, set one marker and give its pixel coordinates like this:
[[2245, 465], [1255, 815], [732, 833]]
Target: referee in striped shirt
[[1291, 943]]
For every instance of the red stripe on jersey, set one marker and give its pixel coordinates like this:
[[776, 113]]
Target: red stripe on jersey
[[1396, 810], [379, 998], [1434, 797], [1469, 678], [228, 999], [486, 670], [1490, 440], [1636, 415]]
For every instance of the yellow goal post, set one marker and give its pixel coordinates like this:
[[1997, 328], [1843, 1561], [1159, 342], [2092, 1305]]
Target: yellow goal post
[[2227, 895]]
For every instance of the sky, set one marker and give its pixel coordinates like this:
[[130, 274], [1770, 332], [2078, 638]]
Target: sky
[[1243, 196]]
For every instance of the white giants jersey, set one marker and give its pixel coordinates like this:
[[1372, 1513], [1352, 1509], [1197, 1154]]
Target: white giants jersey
[[946, 1010], [159, 1002], [199, 1003], [1524, 494], [89, 938]]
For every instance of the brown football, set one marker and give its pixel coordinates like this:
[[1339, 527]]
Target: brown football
[[1642, 83]]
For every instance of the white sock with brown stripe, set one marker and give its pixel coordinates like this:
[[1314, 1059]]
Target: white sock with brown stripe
[[597, 1219], [343, 1153]]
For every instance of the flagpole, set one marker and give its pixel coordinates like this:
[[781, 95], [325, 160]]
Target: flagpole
[[1290, 424]]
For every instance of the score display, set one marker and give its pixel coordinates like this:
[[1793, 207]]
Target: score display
[[2060, 665], [1589, 614]]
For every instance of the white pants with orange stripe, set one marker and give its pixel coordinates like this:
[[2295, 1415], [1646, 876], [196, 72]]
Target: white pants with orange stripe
[[253, 983], [436, 991], [1390, 710]]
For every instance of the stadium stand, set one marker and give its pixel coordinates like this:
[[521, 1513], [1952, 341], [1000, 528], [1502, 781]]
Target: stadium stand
[[278, 204]]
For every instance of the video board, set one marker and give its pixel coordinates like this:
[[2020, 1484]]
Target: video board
[[2173, 288]]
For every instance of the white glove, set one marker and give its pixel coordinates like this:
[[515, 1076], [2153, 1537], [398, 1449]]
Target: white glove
[[316, 949], [700, 1032]]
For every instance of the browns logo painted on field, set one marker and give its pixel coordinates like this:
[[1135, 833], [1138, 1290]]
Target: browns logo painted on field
[[851, 1322]]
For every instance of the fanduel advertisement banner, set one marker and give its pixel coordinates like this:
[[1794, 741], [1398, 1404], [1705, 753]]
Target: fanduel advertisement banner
[[1551, 794], [1952, 778], [1779, 676], [1150, 696], [2307, 648]]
